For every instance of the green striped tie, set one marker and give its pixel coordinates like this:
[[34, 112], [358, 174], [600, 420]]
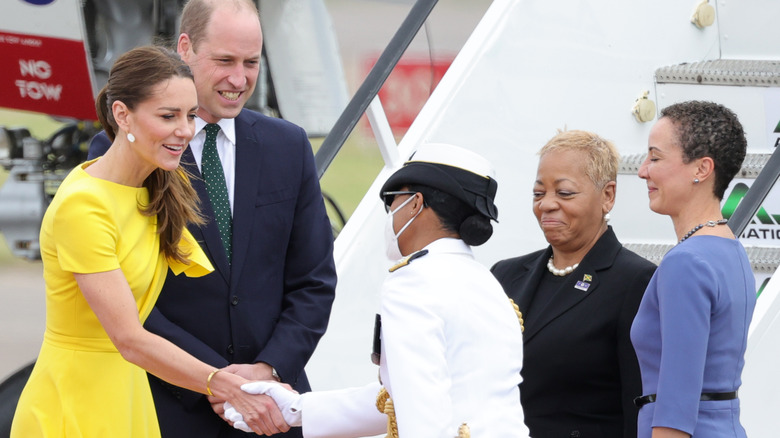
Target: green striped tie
[[211, 168]]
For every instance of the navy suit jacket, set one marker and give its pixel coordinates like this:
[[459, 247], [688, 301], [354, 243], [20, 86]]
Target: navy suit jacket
[[273, 303], [580, 372]]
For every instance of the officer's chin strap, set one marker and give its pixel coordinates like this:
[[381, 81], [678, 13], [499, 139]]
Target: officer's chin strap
[[385, 404]]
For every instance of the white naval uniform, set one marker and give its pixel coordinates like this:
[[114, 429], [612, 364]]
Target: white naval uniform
[[451, 353]]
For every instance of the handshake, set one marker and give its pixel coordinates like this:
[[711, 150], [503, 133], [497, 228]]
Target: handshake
[[288, 402]]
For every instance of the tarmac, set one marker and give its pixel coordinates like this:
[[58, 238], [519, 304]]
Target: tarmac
[[22, 313]]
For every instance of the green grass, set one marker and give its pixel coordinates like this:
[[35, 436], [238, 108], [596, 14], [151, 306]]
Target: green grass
[[5, 252], [351, 173], [41, 126]]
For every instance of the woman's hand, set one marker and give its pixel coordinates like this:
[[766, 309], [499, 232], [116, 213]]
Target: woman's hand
[[285, 398], [258, 413]]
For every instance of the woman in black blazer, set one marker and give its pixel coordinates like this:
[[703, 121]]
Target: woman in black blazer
[[578, 297]]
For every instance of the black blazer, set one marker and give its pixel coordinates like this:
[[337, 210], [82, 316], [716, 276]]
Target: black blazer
[[580, 372], [273, 303]]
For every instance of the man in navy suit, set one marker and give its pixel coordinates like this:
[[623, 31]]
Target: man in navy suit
[[264, 309]]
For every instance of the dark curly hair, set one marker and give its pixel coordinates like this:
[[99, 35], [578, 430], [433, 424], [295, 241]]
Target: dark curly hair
[[708, 129]]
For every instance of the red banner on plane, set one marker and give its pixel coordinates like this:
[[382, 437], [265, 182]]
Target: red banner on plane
[[408, 87], [46, 75]]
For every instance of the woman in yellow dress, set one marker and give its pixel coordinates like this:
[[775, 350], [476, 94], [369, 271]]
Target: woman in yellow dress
[[114, 228]]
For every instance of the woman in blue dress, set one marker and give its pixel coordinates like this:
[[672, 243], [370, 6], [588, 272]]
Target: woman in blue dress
[[690, 332]]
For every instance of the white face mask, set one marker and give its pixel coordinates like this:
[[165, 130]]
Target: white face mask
[[392, 250]]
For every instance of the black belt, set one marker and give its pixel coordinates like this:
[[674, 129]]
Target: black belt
[[705, 396]]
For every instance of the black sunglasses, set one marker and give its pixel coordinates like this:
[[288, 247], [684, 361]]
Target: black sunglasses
[[389, 197]]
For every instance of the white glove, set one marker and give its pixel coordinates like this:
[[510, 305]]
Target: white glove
[[238, 420], [288, 401]]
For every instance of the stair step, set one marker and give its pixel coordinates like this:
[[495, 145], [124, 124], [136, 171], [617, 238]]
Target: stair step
[[751, 167], [763, 259], [738, 72]]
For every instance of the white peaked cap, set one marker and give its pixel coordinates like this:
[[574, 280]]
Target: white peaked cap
[[451, 169], [454, 156]]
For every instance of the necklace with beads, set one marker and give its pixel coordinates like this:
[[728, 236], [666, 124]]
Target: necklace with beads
[[699, 227], [560, 272]]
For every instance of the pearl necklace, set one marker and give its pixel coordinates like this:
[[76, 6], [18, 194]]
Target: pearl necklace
[[699, 227], [560, 272]]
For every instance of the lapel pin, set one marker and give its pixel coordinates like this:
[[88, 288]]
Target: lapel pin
[[581, 285], [587, 277]]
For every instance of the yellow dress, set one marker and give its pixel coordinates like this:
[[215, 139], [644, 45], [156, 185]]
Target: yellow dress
[[81, 386]]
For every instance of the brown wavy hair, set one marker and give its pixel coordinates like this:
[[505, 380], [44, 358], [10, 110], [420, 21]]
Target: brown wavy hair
[[172, 199]]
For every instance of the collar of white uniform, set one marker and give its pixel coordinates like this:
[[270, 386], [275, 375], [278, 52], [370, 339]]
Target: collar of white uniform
[[449, 245], [446, 245]]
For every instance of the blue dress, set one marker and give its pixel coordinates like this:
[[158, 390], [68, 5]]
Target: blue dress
[[690, 335]]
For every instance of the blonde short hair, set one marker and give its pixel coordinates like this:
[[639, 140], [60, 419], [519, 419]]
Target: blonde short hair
[[602, 156]]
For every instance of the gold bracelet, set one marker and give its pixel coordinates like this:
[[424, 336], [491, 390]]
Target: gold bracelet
[[208, 381]]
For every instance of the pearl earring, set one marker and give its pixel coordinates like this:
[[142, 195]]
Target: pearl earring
[[607, 217], [696, 180], [130, 137]]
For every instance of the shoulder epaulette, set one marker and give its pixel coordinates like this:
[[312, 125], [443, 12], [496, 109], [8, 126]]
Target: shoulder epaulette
[[408, 259]]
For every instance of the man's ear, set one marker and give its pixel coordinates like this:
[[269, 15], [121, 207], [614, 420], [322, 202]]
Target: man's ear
[[184, 47]]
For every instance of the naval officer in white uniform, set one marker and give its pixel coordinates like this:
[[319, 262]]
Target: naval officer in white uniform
[[449, 345]]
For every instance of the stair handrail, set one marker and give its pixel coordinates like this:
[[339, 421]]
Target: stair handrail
[[755, 195], [370, 87]]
